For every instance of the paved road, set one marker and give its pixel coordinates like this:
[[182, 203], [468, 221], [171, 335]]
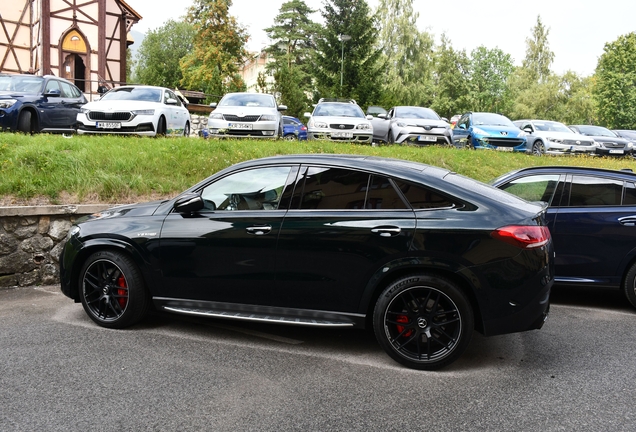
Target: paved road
[[59, 371]]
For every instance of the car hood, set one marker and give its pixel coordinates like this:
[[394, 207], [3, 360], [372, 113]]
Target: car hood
[[496, 130], [245, 110], [12, 94], [120, 105], [562, 135], [601, 138], [129, 210]]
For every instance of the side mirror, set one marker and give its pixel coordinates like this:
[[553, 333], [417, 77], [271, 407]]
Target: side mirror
[[308, 115], [382, 116], [188, 203], [369, 117], [213, 105], [528, 129], [462, 126], [171, 101], [53, 93], [282, 107], [445, 119]]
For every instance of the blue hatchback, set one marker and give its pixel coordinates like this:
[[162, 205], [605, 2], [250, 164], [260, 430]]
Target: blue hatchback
[[31, 103], [482, 130], [294, 129], [592, 219]]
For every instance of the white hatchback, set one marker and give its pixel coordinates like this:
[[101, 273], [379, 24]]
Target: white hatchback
[[135, 110]]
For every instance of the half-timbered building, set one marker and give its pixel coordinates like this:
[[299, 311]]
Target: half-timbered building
[[84, 41]]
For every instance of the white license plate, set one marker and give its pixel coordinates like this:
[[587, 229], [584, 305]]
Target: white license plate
[[427, 138], [342, 134], [617, 151], [508, 149], [243, 126], [108, 125]]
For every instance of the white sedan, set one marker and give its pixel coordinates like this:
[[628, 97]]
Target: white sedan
[[138, 110]]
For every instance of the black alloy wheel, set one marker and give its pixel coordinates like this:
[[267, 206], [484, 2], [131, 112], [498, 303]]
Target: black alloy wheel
[[629, 285], [537, 148], [423, 322], [112, 290]]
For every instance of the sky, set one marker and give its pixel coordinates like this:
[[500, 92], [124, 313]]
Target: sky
[[578, 29]]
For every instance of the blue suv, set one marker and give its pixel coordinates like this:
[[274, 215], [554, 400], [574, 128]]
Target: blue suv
[[31, 103], [482, 130]]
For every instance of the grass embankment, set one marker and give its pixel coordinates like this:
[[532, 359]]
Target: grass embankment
[[110, 169]]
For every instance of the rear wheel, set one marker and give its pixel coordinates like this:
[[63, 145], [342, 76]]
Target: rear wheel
[[24, 122], [111, 290], [629, 285], [290, 137], [424, 322]]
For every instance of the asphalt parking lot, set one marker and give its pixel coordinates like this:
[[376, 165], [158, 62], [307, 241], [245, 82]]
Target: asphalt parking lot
[[59, 371]]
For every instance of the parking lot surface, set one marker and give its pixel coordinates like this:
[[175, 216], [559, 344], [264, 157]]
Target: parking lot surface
[[60, 371]]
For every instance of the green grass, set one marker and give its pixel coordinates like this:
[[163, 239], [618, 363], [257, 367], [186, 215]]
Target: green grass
[[113, 169]]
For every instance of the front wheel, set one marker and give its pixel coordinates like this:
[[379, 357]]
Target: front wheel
[[537, 148], [24, 122], [629, 285], [423, 322], [186, 130], [161, 126], [112, 290]]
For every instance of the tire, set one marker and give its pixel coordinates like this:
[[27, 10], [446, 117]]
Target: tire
[[469, 143], [186, 130], [24, 122], [423, 322], [112, 290], [538, 149], [161, 126], [290, 137], [629, 285], [389, 138]]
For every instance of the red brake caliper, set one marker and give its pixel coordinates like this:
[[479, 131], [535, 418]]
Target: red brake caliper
[[122, 291], [405, 320]]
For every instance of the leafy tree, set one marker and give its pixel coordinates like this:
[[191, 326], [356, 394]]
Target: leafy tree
[[615, 89], [407, 54], [451, 80], [218, 51], [159, 54], [538, 58], [354, 62], [293, 35], [489, 73]]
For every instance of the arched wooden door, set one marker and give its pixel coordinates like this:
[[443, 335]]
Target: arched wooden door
[[74, 59]]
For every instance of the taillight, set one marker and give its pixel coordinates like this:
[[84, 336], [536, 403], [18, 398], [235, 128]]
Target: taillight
[[523, 236]]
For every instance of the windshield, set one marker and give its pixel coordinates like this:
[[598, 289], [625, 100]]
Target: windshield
[[147, 94], [416, 113], [490, 119], [338, 109], [550, 126], [248, 100], [20, 83], [596, 131]]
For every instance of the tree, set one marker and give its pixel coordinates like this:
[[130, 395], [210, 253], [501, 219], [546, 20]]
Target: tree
[[538, 58], [159, 54], [218, 51], [293, 35], [407, 54], [489, 73], [615, 89], [451, 80], [348, 67]]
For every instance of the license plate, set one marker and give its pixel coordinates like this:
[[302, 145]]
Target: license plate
[[108, 125], [508, 149], [427, 138], [243, 126], [342, 134], [617, 151]]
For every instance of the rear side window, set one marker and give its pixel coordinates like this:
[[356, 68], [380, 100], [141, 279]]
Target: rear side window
[[534, 188], [595, 191], [629, 197], [422, 198]]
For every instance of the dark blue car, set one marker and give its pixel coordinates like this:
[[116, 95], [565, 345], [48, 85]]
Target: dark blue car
[[31, 103], [592, 219], [294, 129]]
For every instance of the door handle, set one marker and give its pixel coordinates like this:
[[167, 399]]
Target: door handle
[[388, 231], [258, 230], [628, 220]]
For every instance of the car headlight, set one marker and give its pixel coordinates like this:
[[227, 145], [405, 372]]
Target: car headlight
[[269, 117], [147, 112], [216, 116], [317, 124], [7, 103], [73, 231], [522, 134], [479, 131], [84, 110], [400, 124], [364, 126], [554, 140]]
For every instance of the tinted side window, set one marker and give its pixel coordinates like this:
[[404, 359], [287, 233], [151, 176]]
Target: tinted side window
[[629, 197], [334, 189], [422, 198], [383, 196], [595, 191], [534, 188]]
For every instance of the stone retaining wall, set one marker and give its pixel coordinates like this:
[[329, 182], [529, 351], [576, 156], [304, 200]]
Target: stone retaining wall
[[199, 122], [31, 240]]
